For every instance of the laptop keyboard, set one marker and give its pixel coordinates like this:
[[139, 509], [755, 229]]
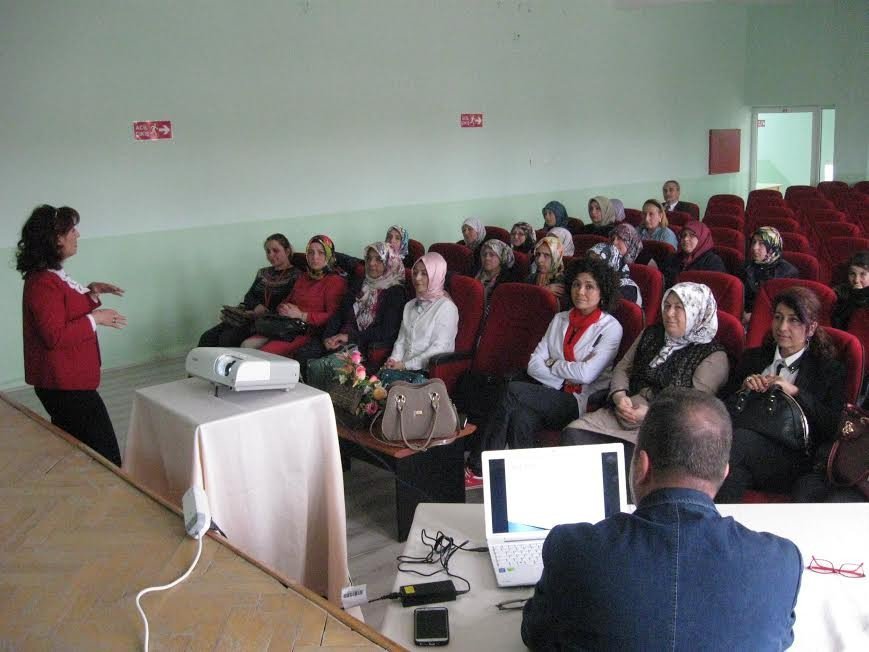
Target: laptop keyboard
[[515, 555]]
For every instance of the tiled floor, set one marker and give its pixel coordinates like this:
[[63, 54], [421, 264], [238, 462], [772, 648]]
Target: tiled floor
[[368, 490]]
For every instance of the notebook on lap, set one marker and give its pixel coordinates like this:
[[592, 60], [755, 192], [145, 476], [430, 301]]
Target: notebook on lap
[[527, 492]]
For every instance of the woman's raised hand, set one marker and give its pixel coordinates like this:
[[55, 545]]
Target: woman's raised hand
[[109, 317], [757, 382], [98, 287]]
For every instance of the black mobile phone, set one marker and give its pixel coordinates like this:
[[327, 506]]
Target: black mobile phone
[[431, 626]]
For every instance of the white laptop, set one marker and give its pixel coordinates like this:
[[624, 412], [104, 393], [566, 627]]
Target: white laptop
[[529, 491]]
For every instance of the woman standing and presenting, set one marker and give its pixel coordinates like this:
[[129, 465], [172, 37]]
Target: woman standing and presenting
[[60, 319]]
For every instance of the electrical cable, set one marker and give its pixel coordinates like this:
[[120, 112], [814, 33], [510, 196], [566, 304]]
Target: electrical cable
[[442, 548], [164, 587]]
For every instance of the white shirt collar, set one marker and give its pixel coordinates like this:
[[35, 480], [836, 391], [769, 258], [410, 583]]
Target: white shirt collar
[[788, 361], [75, 285]]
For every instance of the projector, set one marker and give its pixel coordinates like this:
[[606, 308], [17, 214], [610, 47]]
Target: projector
[[242, 369]]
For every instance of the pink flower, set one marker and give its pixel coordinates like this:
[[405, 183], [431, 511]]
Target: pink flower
[[371, 408], [374, 379], [356, 357], [360, 373]]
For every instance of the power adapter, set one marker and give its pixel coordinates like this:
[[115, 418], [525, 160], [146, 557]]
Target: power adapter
[[413, 595]]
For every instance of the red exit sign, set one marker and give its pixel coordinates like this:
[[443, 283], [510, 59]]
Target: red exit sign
[[152, 130], [471, 120]]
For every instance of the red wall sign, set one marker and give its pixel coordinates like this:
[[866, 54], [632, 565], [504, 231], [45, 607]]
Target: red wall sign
[[471, 120], [152, 130]]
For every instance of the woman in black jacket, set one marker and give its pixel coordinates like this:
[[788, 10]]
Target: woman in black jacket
[[271, 286], [765, 263], [798, 356], [370, 313]]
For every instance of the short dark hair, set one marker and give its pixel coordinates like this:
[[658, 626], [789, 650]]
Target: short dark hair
[[674, 182], [807, 306], [282, 240], [688, 432], [38, 248], [605, 276]]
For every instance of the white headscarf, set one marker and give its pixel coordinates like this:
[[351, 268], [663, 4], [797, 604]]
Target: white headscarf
[[475, 224], [566, 238], [701, 319]]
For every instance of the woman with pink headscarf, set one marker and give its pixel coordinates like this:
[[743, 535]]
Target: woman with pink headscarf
[[695, 252], [430, 322]]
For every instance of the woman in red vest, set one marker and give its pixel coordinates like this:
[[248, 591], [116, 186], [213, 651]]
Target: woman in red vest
[[60, 319]]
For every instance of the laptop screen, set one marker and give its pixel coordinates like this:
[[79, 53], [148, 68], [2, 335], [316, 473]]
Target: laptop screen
[[533, 490]]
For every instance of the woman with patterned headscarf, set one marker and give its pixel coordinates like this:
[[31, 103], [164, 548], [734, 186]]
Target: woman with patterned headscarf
[[315, 298], [680, 351], [566, 238], [547, 270], [554, 214], [430, 322], [523, 237], [609, 253], [496, 266], [765, 263], [398, 238], [602, 214], [370, 313], [694, 253]]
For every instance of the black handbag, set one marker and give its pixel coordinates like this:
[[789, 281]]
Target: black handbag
[[235, 316], [773, 414], [278, 327]]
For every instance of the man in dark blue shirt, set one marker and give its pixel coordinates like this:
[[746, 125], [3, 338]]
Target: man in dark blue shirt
[[674, 575]]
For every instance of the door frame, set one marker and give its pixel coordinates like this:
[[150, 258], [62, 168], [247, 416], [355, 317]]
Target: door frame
[[815, 173]]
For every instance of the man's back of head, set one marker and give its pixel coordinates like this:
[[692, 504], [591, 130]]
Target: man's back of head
[[684, 442]]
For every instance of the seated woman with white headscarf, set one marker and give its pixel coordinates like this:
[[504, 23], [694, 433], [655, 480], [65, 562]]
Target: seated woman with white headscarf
[[679, 352], [473, 237], [548, 268]]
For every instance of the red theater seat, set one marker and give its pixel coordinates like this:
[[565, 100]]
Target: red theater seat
[[723, 220], [651, 284], [498, 233], [728, 237], [460, 259], [761, 317], [726, 288], [519, 315], [807, 264]]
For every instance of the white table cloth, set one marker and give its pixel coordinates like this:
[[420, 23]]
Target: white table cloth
[[832, 611], [268, 462]]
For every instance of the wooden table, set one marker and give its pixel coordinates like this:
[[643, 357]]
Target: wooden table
[[435, 475], [79, 539]]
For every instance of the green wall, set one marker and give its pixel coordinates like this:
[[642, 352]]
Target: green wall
[[340, 117], [784, 149], [813, 53]]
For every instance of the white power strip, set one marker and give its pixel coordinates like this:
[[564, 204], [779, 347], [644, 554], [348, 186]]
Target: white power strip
[[197, 521], [197, 514]]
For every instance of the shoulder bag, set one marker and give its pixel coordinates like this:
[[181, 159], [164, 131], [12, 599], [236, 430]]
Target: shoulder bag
[[278, 327], [848, 464], [417, 414], [773, 414]]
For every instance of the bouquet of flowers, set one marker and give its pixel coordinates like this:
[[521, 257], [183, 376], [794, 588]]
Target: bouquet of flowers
[[372, 394]]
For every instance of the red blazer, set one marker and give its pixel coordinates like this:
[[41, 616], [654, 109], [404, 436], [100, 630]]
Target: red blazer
[[60, 345]]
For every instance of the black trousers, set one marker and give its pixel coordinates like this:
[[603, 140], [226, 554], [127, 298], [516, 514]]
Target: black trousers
[[524, 408], [82, 414], [757, 462], [225, 335]]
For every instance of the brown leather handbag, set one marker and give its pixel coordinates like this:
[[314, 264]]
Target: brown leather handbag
[[417, 414], [848, 463]]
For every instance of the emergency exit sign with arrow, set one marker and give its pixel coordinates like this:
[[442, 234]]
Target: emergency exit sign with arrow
[[152, 130]]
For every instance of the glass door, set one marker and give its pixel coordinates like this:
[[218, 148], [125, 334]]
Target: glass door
[[786, 146]]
